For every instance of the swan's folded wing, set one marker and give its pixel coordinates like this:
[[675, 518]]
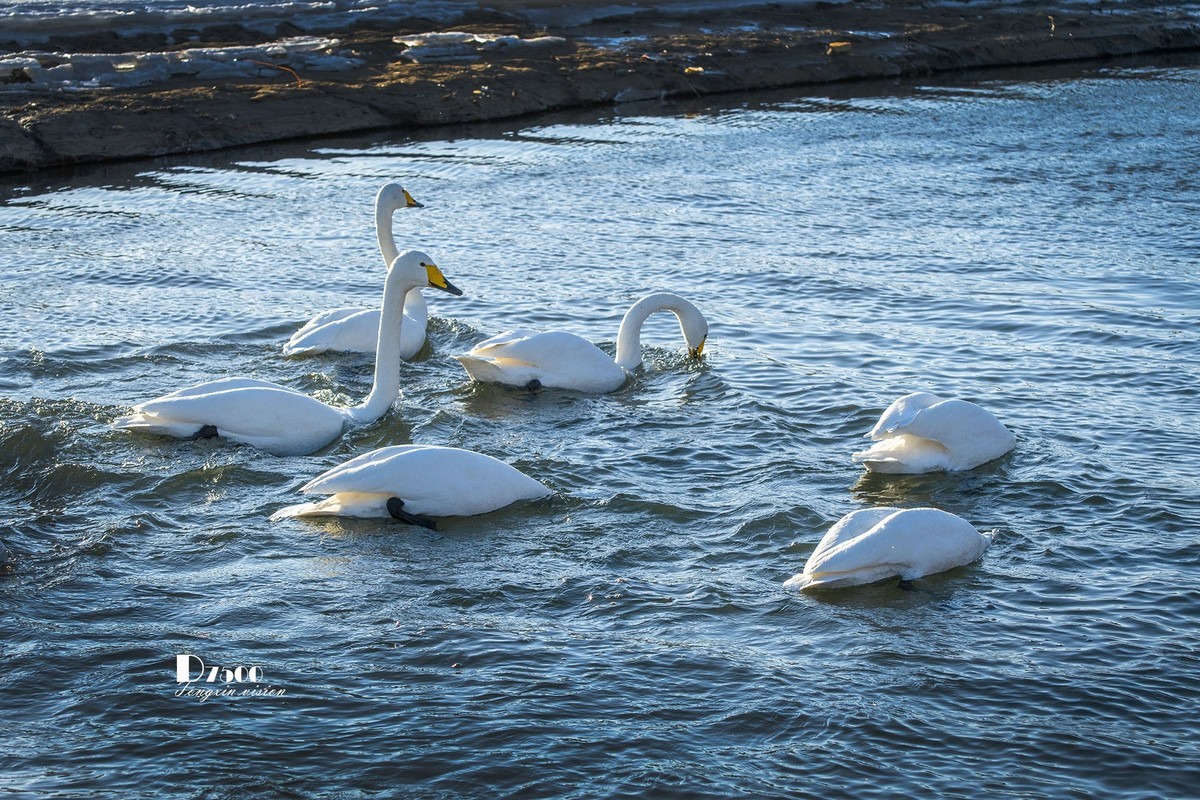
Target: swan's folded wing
[[903, 453], [183, 412], [851, 526], [248, 413], [954, 418], [368, 472], [894, 421], [357, 332], [903, 411], [431, 480], [326, 317], [553, 351], [488, 348], [347, 504], [871, 550], [918, 541], [212, 387], [556, 359]]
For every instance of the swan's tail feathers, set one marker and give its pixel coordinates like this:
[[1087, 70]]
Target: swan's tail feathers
[[904, 454], [298, 510], [834, 580], [343, 504], [131, 422], [291, 349], [149, 423], [878, 464], [810, 580], [798, 581], [476, 367], [294, 350], [876, 459], [496, 370]]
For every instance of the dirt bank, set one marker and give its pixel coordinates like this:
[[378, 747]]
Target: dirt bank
[[644, 54]]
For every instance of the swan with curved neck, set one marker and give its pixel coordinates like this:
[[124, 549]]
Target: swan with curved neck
[[921, 432], [876, 543], [354, 329], [277, 419], [560, 360]]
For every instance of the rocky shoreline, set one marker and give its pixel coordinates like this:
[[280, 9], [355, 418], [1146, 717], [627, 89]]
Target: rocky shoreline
[[647, 53]]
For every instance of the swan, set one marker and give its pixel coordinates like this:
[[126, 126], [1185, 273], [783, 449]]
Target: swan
[[876, 543], [560, 360], [277, 419], [355, 329], [921, 432], [412, 482]]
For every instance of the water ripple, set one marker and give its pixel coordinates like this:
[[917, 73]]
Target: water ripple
[[627, 636]]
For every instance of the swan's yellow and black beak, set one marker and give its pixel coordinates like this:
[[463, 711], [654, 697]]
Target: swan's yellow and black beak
[[698, 350], [438, 281], [409, 202]]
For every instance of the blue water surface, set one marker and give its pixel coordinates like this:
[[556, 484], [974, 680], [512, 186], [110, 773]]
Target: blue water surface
[[1025, 240]]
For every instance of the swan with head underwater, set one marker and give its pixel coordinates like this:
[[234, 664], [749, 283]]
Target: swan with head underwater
[[560, 360], [877, 543], [414, 483], [921, 432], [355, 329], [282, 421]]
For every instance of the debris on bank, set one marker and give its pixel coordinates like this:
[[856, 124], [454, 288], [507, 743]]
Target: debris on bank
[[60, 107]]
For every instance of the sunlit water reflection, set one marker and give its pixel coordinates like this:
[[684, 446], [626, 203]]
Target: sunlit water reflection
[[1027, 241]]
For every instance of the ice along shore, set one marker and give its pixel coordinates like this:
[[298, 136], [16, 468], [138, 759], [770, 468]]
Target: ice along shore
[[227, 86]]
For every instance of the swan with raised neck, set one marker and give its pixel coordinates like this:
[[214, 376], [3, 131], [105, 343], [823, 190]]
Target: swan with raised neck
[[280, 420], [353, 329]]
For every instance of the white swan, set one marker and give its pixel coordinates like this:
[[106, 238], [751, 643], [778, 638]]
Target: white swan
[[876, 543], [355, 329], [280, 420], [560, 360], [413, 482], [921, 432]]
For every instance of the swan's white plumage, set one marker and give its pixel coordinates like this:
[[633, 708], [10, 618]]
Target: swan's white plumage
[[265, 415], [281, 420], [561, 360], [877, 543], [556, 359], [432, 481], [354, 330], [921, 432]]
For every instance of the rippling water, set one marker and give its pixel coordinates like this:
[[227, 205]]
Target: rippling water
[[1024, 240]]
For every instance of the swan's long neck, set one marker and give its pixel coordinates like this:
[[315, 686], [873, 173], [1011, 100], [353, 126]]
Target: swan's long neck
[[415, 305], [386, 387], [629, 336], [384, 214], [383, 232]]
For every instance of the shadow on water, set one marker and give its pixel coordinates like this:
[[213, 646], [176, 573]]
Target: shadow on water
[[957, 492]]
